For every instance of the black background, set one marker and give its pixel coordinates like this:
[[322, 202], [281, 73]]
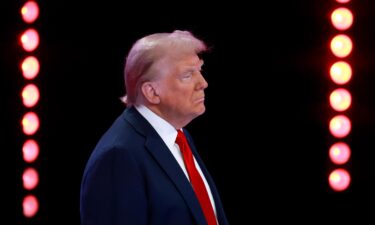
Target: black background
[[264, 136]]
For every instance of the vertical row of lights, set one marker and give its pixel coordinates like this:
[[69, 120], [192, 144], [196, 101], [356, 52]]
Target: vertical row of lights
[[340, 98], [29, 40]]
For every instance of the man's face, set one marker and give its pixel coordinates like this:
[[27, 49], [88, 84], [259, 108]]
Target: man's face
[[181, 89]]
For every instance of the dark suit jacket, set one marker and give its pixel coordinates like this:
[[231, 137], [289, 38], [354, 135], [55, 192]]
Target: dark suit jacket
[[132, 178]]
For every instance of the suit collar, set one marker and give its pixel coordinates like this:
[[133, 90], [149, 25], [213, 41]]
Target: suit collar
[[165, 130], [165, 159]]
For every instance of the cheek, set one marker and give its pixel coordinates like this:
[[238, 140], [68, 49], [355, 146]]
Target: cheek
[[179, 100], [179, 95], [185, 95]]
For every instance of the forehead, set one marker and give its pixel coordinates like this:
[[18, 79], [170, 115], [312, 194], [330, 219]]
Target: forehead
[[172, 65], [187, 61]]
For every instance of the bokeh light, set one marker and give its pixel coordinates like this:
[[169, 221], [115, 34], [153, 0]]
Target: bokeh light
[[340, 99], [30, 40], [30, 123], [339, 153], [30, 95], [30, 11], [342, 18], [339, 179], [340, 72], [30, 67], [30, 178], [341, 45], [340, 126], [30, 206], [343, 1], [30, 150]]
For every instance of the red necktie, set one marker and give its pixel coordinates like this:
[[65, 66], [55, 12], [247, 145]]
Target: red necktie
[[195, 179]]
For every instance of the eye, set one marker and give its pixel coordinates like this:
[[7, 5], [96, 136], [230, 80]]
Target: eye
[[187, 75]]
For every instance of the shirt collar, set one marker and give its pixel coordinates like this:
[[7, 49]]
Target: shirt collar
[[165, 130]]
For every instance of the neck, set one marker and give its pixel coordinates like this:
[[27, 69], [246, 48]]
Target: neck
[[175, 121]]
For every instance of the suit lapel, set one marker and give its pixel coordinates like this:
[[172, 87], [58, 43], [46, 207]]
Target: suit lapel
[[167, 162]]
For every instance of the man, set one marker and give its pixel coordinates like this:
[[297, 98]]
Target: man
[[138, 174]]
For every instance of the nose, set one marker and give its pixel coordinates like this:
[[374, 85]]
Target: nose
[[202, 83]]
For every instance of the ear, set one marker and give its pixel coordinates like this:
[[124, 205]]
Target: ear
[[149, 91]]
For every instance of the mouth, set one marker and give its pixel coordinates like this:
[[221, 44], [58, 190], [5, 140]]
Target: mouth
[[199, 100]]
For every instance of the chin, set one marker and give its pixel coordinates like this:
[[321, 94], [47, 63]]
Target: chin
[[201, 110]]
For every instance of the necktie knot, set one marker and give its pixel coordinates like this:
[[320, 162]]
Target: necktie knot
[[181, 139], [185, 149]]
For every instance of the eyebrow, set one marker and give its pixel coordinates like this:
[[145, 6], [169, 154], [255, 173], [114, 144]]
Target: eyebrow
[[199, 64]]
